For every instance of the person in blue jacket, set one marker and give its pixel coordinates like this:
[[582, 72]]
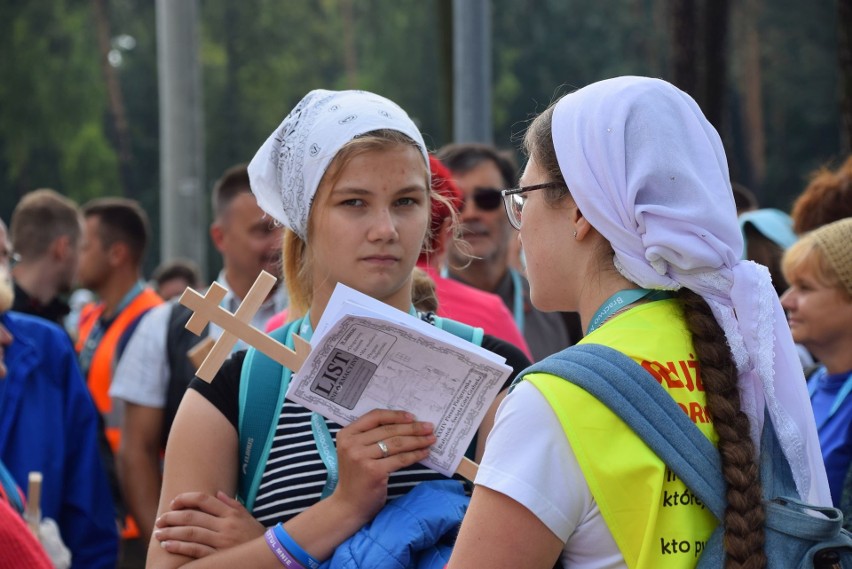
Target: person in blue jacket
[[48, 423]]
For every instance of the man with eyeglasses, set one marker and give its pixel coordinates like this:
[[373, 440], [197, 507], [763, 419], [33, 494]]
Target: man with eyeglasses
[[482, 260]]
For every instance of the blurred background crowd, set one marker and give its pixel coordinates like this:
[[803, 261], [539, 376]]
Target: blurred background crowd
[[94, 241]]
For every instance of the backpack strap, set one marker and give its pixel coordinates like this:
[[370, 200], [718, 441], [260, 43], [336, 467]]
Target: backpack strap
[[797, 534], [463, 331], [630, 392], [263, 383], [179, 341]]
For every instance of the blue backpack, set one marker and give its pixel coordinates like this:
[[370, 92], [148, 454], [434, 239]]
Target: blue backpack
[[794, 537], [263, 383]]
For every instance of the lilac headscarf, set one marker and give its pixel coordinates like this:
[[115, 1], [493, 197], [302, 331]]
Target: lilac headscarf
[[649, 173]]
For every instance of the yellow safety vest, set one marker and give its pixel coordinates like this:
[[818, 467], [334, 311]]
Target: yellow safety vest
[[655, 520]]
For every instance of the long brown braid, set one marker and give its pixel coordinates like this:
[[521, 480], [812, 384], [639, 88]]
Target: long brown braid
[[744, 516]]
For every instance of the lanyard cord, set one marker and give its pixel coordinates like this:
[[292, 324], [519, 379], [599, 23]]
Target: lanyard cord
[[99, 329], [319, 427], [518, 301], [518, 296], [621, 300]]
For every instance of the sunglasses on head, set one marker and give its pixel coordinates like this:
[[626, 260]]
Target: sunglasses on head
[[486, 199]]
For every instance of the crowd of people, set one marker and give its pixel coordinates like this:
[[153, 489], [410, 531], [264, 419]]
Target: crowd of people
[[622, 229]]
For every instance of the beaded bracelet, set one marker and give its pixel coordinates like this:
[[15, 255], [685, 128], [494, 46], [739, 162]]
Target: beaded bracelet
[[295, 550], [282, 554]]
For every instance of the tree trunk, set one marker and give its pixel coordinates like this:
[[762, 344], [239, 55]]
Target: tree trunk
[[639, 43], [120, 128], [445, 42], [753, 95], [715, 61], [844, 51], [232, 123], [684, 53], [350, 55]]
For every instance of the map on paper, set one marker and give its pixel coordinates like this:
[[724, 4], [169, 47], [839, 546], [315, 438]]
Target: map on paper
[[362, 359]]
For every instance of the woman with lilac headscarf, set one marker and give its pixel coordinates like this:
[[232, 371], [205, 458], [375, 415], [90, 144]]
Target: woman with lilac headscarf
[[626, 215]]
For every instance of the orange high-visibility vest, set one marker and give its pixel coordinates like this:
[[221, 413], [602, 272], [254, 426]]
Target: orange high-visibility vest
[[99, 377], [102, 365]]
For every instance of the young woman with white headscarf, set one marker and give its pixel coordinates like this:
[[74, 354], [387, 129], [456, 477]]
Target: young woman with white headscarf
[[347, 174], [628, 217]]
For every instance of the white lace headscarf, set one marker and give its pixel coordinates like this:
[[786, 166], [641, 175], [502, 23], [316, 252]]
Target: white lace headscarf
[[649, 172], [286, 172]]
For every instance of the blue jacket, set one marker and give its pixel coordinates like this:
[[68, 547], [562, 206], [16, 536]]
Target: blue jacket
[[48, 423], [834, 426], [415, 531]]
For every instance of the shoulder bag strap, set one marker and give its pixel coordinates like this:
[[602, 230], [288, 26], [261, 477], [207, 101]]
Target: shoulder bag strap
[[263, 383]]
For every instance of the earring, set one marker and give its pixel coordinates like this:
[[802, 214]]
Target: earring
[[575, 234]]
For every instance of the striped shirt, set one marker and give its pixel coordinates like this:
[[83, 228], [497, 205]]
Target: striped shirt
[[294, 475]]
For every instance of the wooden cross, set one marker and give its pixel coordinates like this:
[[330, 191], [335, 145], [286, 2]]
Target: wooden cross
[[32, 514], [236, 326]]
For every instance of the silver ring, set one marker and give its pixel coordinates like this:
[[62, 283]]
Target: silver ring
[[384, 448]]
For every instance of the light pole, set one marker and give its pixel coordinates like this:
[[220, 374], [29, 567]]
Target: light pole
[[183, 203], [472, 71]]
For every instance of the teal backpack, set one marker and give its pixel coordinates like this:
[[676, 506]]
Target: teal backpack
[[798, 535], [263, 383]]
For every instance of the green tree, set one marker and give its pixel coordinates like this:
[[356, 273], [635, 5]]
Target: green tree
[[52, 103], [777, 78]]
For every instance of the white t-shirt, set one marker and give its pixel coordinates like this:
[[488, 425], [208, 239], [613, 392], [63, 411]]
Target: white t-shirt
[[528, 458], [142, 374]]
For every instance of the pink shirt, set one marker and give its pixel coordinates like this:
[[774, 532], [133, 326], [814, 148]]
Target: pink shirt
[[478, 308], [276, 321]]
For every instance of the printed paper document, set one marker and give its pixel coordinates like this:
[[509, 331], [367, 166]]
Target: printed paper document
[[366, 355]]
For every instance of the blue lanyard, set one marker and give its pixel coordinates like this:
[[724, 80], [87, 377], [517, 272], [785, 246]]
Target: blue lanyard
[[98, 329], [623, 299], [518, 301], [10, 487], [129, 297], [327, 451], [845, 389], [319, 427]]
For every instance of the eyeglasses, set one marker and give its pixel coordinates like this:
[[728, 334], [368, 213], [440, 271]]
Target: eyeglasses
[[486, 199], [514, 200]]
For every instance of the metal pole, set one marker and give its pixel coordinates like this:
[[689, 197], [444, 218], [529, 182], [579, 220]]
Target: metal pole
[[183, 203], [472, 71]]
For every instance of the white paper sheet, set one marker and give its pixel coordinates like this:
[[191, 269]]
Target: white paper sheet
[[366, 355]]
